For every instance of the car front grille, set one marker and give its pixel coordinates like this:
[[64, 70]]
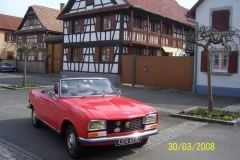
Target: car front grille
[[120, 126]]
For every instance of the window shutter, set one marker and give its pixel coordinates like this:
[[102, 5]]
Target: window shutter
[[112, 54], [98, 23], [113, 21], [220, 20], [69, 55], [82, 25], [233, 62], [81, 54], [70, 29], [204, 60], [97, 53], [6, 37]]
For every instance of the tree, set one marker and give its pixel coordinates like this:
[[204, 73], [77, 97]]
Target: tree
[[25, 49], [206, 37]]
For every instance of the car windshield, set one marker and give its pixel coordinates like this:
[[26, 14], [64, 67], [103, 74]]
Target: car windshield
[[85, 87]]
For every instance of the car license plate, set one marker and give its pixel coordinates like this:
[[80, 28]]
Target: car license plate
[[128, 141]]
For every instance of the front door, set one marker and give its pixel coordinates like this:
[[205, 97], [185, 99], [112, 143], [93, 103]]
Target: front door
[[54, 58]]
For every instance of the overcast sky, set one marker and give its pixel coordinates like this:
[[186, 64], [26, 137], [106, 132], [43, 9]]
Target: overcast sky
[[19, 7]]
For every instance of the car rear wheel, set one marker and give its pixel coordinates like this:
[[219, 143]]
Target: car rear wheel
[[35, 121], [141, 144], [73, 146]]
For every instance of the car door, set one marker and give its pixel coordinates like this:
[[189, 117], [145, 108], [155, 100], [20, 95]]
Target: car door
[[51, 110]]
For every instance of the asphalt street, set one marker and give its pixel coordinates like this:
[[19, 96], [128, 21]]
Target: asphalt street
[[25, 142], [20, 141]]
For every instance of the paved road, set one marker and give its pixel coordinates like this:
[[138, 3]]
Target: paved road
[[19, 140]]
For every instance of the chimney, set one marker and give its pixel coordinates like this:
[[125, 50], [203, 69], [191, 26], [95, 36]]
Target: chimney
[[62, 5]]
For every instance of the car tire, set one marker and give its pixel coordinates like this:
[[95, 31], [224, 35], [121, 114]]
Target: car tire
[[35, 121], [74, 148], [14, 70], [141, 144]]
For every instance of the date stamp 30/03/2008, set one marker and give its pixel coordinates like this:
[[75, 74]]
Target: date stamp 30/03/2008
[[191, 146]]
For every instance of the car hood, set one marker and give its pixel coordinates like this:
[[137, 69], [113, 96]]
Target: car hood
[[110, 107]]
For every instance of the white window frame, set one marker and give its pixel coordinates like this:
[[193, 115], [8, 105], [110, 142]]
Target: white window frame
[[105, 54], [218, 56]]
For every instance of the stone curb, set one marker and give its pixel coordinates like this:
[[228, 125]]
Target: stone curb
[[232, 123]]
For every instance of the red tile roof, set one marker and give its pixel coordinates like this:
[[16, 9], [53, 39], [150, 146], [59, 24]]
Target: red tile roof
[[9, 22], [48, 18], [166, 8]]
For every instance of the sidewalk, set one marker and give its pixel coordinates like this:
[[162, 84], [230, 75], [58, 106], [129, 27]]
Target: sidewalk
[[233, 108], [17, 78], [172, 100]]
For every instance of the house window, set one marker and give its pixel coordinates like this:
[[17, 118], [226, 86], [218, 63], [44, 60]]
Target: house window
[[220, 62], [220, 20], [107, 22], [89, 2], [77, 26], [105, 55], [137, 22], [10, 37]]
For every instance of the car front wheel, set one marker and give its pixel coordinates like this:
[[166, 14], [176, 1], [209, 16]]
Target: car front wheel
[[74, 148], [35, 121]]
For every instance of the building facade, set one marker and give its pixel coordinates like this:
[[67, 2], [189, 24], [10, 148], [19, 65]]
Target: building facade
[[38, 23], [8, 25], [225, 66], [98, 32]]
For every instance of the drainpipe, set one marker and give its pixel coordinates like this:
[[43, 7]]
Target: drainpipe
[[194, 88]]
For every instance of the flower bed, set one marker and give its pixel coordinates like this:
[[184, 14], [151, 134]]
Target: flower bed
[[216, 114]]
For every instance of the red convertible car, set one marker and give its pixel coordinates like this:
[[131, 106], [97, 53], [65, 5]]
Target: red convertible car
[[89, 112]]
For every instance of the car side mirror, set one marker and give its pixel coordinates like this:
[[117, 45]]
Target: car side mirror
[[118, 91], [52, 94]]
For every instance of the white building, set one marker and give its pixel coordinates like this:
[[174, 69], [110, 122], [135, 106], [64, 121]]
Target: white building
[[225, 65]]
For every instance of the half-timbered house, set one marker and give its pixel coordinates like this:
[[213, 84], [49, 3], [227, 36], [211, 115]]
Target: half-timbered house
[[98, 32], [38, 23], [8, 25]]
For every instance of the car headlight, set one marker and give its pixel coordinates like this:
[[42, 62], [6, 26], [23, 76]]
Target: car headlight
[[149, 119], [96, 125]]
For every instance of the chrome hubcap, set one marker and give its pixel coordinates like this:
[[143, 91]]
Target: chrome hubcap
[[71, 141]]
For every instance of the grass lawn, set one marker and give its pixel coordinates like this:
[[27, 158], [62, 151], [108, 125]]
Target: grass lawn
[[216, 114]]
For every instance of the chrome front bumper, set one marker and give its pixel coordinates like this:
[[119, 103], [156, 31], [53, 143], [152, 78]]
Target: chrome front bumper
[[113, 139]]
